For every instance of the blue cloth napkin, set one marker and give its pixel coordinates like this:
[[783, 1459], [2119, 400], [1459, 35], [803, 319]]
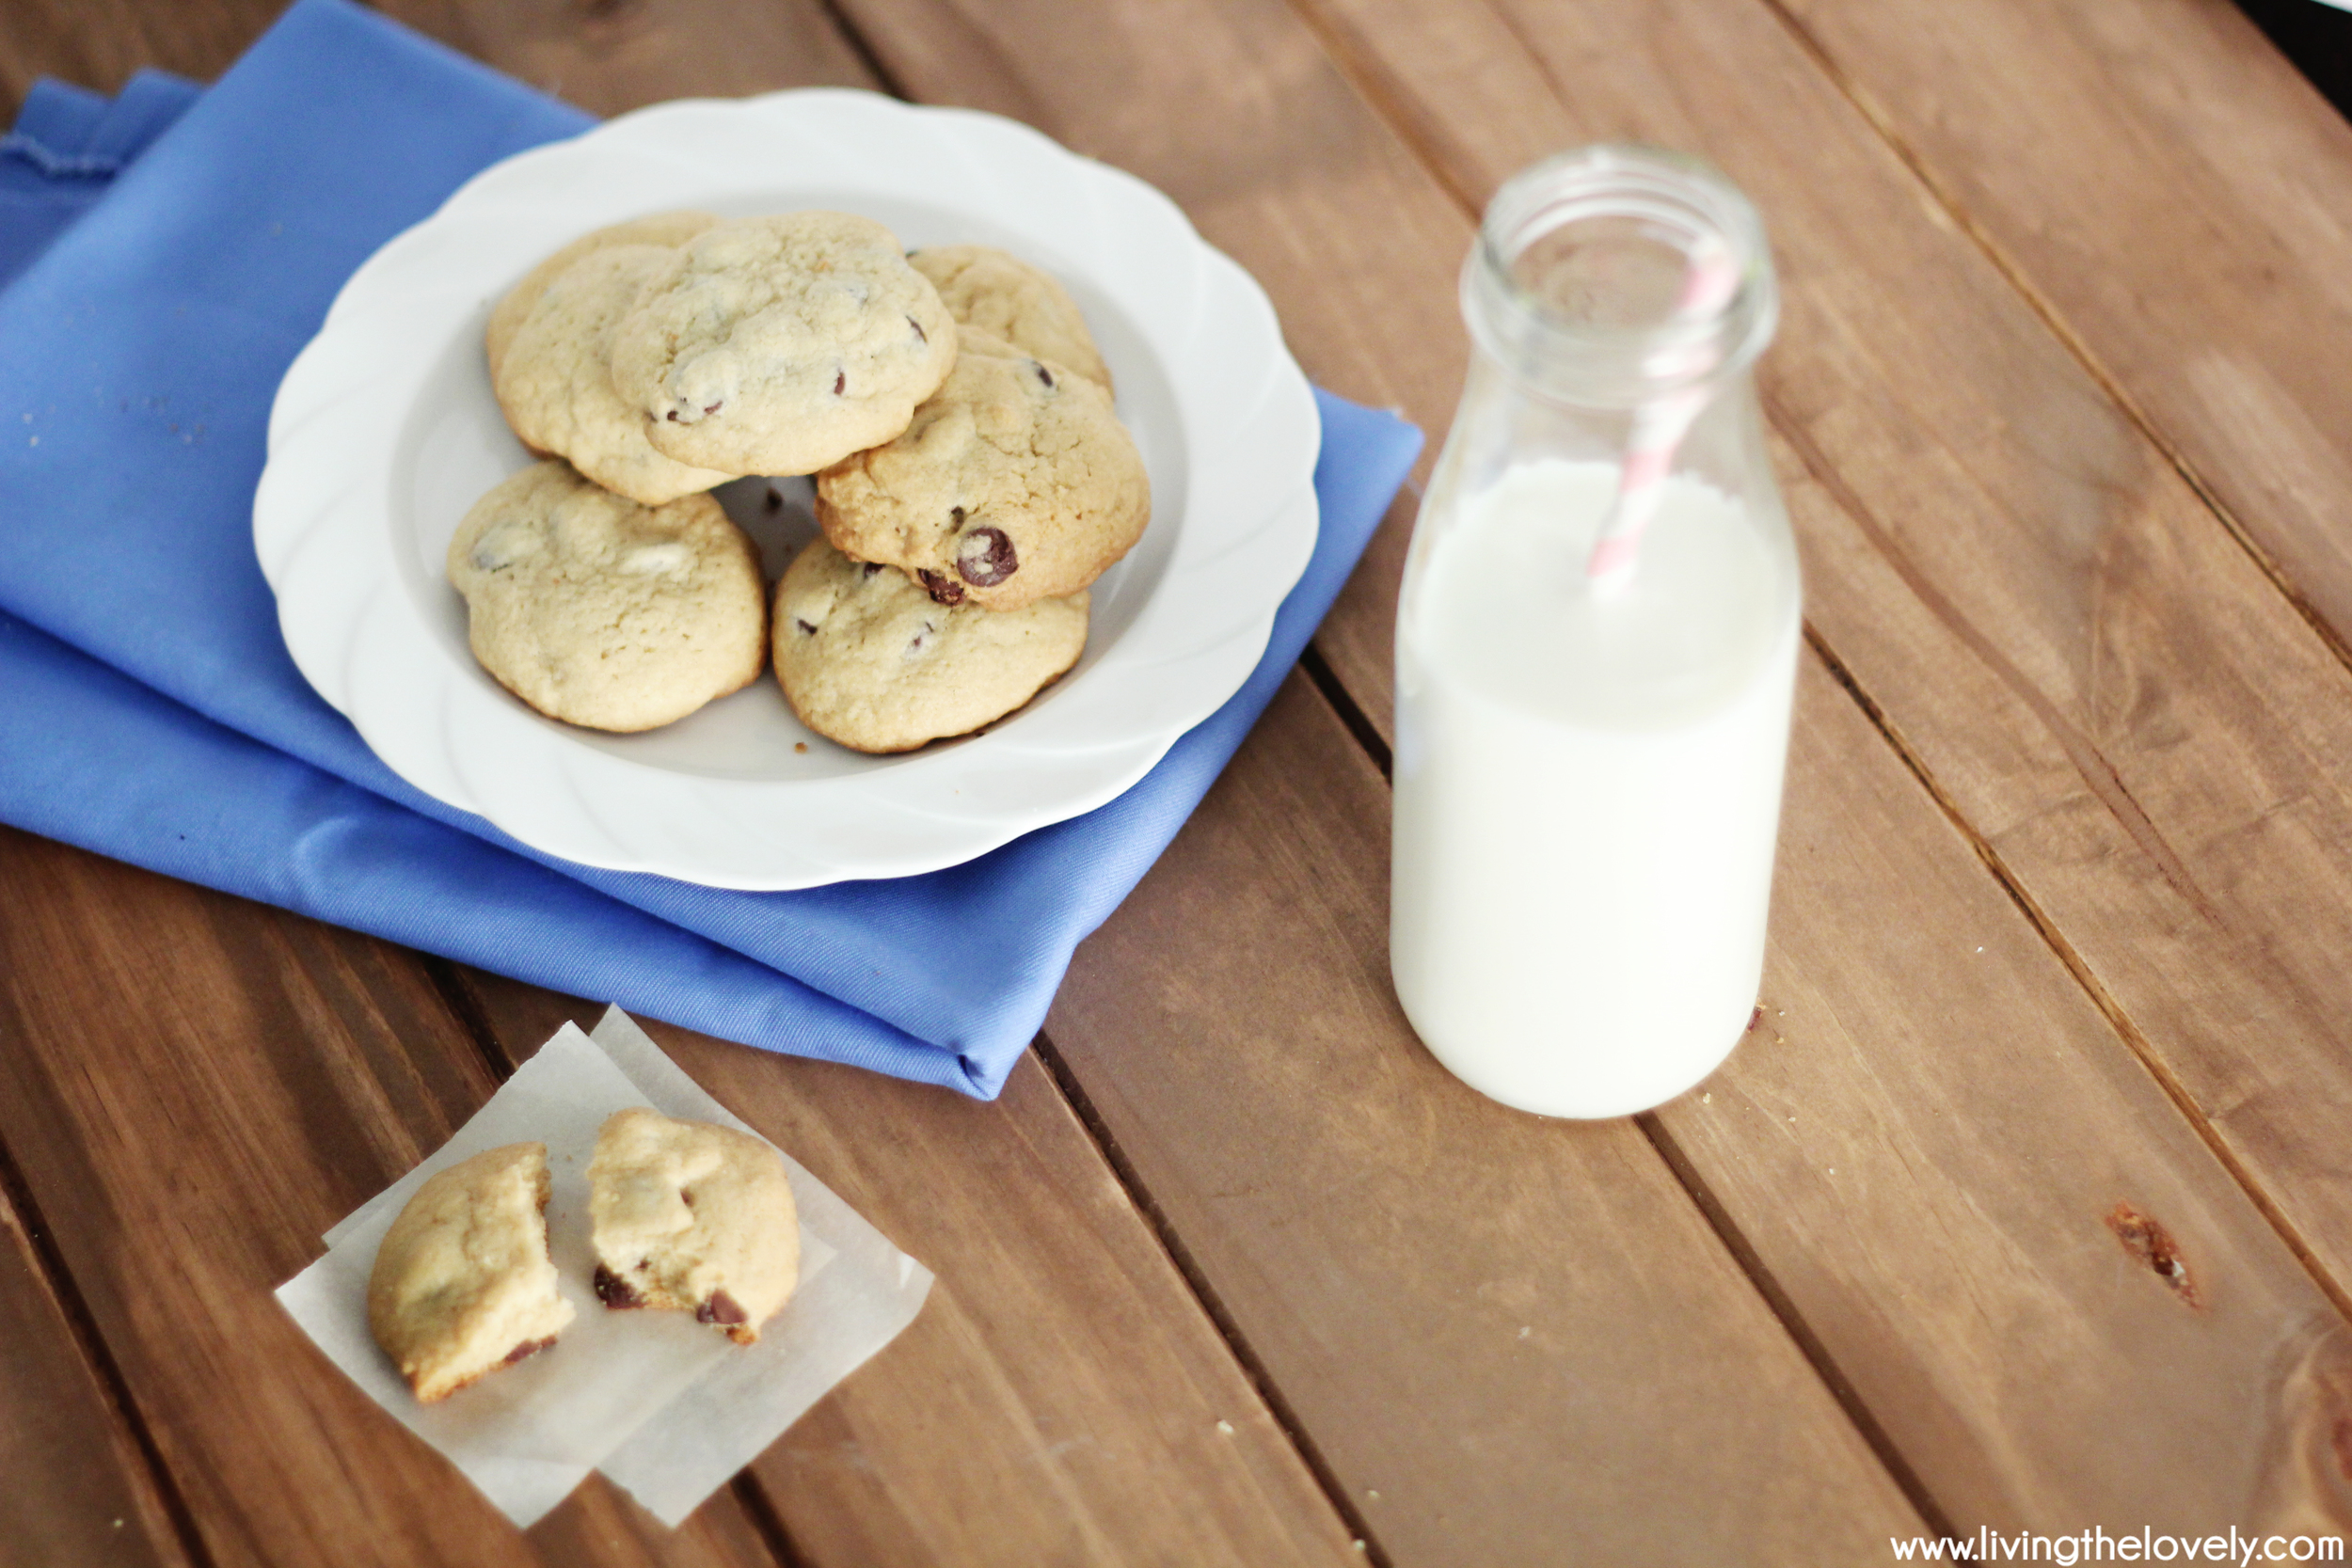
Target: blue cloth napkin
[[148, 709]]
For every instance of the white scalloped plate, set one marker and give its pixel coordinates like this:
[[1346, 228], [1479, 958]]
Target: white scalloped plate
[[385, 432]]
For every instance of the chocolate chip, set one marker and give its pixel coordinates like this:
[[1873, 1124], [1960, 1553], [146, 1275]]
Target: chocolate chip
[[720, 1308], [615, 1292], [872, 568], [716, 406], [529, 1347], [840, 379], [1042, 374], [955, 515], [806, 630], [944, 589], [775, 501], [984, 556], [919, 329], [673, 418]]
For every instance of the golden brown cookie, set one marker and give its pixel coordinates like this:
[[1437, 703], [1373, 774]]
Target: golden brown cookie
[[1015, 483], [1005, 297], [662, 228], [555, 382], [602, 612], [867, 658], [692, 1217], [463, 1284], [777, 346]]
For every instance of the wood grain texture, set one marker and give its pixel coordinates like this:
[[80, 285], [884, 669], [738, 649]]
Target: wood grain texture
[[99, 43], [195, 1089], [77, 1488], [1979, 431], [1233, 111], [2179, 197], [2143, 734], [620, 54], [2057, 1304], [1059, 1400], [1515, 1339]]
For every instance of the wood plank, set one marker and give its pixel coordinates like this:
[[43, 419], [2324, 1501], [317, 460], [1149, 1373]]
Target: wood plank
[[2149, 741], [609, 58], [1514, 1338], [1062, 1399], [1353, 266], [1233, 111], [1926, 1148], [2179, 196], [1944, 1156], [79, 1490], [99, 43], [1861, 250], [195, 1089]]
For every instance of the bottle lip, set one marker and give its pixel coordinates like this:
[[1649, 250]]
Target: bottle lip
[[1679, 201]]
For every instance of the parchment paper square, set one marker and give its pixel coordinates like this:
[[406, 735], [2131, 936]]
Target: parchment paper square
[[668, 1408]]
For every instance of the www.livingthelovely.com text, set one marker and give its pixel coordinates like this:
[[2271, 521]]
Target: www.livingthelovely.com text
[[2097, 1546]]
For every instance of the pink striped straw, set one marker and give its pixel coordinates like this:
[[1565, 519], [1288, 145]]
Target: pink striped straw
[[1660, 425]]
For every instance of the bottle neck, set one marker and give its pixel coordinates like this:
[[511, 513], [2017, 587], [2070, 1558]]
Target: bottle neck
[[1613, 277]]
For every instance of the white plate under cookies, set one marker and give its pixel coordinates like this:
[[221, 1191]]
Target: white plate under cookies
[[385, 431]]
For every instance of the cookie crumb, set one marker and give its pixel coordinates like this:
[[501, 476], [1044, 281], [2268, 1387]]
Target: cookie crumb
[[800, 746]]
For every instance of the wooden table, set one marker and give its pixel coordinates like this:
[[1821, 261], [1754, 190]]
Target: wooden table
[[2027, 1205]]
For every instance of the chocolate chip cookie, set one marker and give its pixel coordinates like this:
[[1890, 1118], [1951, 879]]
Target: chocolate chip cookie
[[1014, 484], [602, 612], [669, 229], [778, 345], [694, 1218], [1005, 297], [555, 380], [867, 658], [463, 1284]]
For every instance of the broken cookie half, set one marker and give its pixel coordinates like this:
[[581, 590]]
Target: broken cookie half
[[463, 1284], [692, 1217]]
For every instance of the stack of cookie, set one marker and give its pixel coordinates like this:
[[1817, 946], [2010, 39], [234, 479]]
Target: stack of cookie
[[972, 477]]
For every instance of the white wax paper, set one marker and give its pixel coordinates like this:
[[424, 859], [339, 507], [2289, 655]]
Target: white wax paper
[[667, 1407]]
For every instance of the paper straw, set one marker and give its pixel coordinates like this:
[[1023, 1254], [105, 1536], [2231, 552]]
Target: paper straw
[[1660, 424]]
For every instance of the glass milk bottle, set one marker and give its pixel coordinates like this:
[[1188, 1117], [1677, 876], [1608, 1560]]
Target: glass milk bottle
[[1595, 649]]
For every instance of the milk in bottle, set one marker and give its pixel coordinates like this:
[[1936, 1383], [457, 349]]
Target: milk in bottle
[[1587, 777]]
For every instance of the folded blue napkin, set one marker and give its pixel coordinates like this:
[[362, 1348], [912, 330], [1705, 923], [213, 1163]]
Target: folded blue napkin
[[183, 248]]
